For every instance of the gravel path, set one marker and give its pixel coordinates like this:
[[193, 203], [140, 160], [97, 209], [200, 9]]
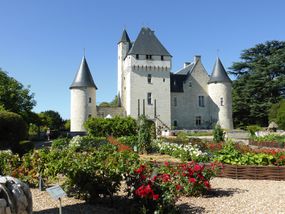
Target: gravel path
[[226, 196], [239, 196]]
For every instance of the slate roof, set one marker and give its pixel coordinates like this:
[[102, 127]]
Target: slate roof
[[148, 44], [83, 76], [219, 73], [186, 70], [125, 37], [176, 82]]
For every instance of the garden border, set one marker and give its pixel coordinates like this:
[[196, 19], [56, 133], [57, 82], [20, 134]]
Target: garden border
[[253, 172]]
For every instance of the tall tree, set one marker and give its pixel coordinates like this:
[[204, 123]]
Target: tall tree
[[260, 82], [51, 119], [14, 97]]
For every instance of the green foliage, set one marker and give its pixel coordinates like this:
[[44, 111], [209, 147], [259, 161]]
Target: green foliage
[[182, 136], [14, 97], [104, 104], [252, 129], [87, 142], [51, 119], [277, 114], [230, 155], [67, 125], [8, 162], [144, 134], [129, 140], [218, 133], [113, 103], [117, 126], [24, 147], [259, 84], [270, 138], [98, 172], [13, 129], [60, 143]]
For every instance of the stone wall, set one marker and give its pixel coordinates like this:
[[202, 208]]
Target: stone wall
[[113, 111]]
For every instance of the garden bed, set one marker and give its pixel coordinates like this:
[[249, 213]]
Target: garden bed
[[271, 144], [253, 172]]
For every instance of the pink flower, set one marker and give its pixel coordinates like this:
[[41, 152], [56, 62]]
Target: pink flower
[[166, 163]]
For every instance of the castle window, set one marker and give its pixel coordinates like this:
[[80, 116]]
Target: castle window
[[163, 79], [89, 115], [190, 84], [148, 56], [175, 123], [222, 101], [149, 98], [137, 56], [175, 101], [201, 101], [162, 58], [198, 120], [90, 99], [149, 78]]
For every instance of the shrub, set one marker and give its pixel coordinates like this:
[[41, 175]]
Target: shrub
[[144, 134], [97, 173], [60, 143], [218, 133], [8, 162], [13, 129], [182, 136], [24, 147], [252, 129], [157, 188], [117, 126], [129, 140]]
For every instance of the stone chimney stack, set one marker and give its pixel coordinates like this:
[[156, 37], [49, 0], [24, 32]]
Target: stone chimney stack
[[197, 58], [186, 64]]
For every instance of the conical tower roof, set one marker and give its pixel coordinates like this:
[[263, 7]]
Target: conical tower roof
[[148, 44], [125, 37], [219, 73], [83, 76]]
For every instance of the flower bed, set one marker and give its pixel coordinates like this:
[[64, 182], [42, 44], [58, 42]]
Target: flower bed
[[273, 144]]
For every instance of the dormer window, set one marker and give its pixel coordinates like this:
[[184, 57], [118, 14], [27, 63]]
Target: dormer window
[[162, 58], [148, 56], [137, 56]]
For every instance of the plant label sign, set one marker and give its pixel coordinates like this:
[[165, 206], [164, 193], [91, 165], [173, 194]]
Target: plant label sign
[[56, 192]]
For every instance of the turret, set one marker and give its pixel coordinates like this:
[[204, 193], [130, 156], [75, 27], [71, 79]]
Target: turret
[[220, 91], [123, 48], [83, 98]]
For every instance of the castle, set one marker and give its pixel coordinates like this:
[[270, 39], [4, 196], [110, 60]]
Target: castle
[[186, 99]]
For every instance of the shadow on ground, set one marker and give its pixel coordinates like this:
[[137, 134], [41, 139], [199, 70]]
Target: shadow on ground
[[187, 208], [218, 192]]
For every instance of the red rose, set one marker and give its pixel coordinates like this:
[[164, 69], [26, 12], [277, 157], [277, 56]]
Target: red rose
[[192, 180], [155, 197]]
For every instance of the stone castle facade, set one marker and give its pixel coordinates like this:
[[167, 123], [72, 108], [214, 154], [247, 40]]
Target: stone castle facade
[[186, 99]]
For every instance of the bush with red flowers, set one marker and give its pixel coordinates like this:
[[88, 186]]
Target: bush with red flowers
[[157, 188]]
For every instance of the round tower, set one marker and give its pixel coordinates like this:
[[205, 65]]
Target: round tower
[[83, 98], [220, 92], [123, 49]]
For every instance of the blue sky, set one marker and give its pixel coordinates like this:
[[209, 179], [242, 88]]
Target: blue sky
[[42, 41]]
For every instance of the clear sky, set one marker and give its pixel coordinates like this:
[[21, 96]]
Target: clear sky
[[42, 41]]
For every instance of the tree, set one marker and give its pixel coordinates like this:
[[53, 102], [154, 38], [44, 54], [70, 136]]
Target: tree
[[260, 82], [113, 103], [277, 114], [51, 119], [13, 129], [14, 97]]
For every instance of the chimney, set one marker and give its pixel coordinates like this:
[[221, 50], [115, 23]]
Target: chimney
[[197, 58], [186, 64]]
